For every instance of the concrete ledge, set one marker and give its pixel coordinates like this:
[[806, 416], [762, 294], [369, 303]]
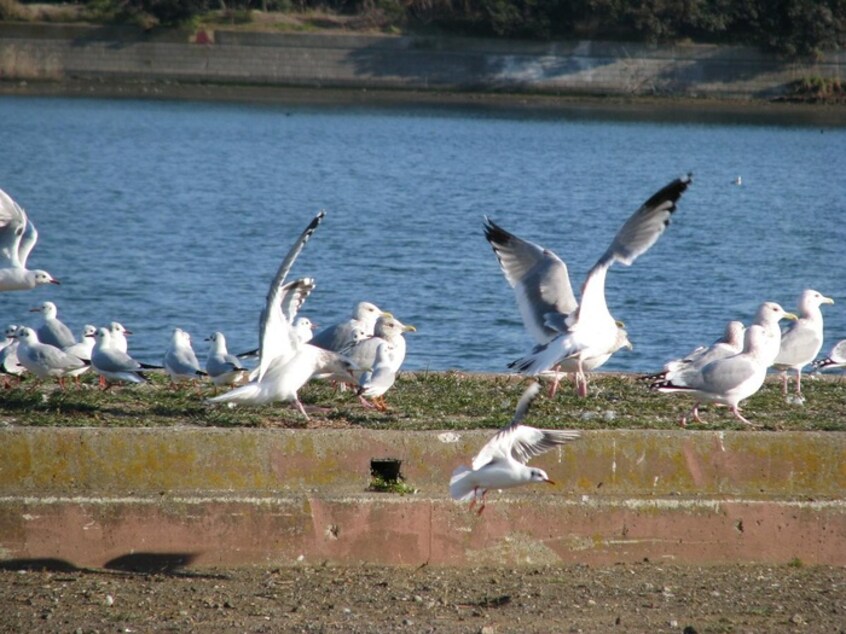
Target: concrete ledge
[[244, 496]]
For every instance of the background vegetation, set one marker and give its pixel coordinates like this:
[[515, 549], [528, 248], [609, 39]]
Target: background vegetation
[[793, 28]]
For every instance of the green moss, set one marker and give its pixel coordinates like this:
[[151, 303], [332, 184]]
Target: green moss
[[399, 486]]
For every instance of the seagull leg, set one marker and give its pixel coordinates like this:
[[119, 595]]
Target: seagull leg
[[554, 387], [799, 382], [473, 501], [581, 384], [366, 403], [784, 382], [301, 408], [482, 507], [736, 411]]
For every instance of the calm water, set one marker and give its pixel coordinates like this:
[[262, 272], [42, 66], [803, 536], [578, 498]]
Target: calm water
[[160, 214]]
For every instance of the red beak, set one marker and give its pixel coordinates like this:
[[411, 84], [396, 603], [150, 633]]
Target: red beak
[[549, 481], [56, 282]]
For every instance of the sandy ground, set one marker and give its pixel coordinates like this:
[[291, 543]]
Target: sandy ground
[[645, 597]]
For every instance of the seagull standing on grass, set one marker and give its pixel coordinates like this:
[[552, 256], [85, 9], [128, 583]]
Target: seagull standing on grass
[[113, 364], [82, 350], [501, 463], [802, 340], [180, 361], [17, 238], [53, 331], [339, 337], [222, 367], [374, 383], [589, 331], [44, 360]]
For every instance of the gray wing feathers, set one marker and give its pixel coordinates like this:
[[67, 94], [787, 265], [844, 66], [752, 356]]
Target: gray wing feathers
[[646, 225]]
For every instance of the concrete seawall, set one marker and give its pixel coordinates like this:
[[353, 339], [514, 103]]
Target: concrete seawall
[[89, 497], [60, 53]]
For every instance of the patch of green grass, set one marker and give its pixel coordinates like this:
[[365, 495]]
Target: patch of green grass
[[399, 486], [419, 401]]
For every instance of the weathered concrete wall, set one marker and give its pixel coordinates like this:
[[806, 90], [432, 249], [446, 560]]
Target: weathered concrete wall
[[63, 52], [243, 496]]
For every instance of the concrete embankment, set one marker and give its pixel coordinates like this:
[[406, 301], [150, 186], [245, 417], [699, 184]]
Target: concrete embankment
[[91, 497], [69, 52]]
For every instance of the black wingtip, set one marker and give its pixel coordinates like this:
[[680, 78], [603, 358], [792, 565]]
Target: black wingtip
[[671, 192], [495, 234]]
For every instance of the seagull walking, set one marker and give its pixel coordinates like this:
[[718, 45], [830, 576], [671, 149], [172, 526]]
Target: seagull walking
[[502, 462], [726, 381]]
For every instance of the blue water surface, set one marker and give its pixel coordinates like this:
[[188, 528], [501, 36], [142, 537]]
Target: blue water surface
[[161, 214]]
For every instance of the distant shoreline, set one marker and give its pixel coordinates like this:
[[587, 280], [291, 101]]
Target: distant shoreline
[[670, 108]]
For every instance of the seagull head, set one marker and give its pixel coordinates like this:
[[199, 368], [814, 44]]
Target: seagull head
[[43, 277], [539, 475]]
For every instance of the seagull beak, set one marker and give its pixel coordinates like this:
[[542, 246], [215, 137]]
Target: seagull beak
[[791, 316], [827, 300], [56, 282], [386, 315], [409, 328], [35, 310], [548, 481]]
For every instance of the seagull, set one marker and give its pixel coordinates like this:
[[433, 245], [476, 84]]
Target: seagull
[[768, 317], [374, 383], [738, 180], [283, 366], [303, 329], [17, 238], [835, 359], [180, 362], [589, 331], [726, 381], [118, 336], [53, 331], [501, 463], [339, 337], [544, 296], [222, 367], [9, 364], [387, 330], [82, 350], [728, 345], [42, 359], [802, 340], [113, 364]]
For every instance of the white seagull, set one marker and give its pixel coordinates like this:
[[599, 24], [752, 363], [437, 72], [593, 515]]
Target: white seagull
[[285, 367], [17, 238], [544, 296], [180, 361], [53, 331], [835, 359], [374, 383], [802, 340], [590, 331], [726, 381], [118, 336], [502, 461], [339, 337], [729, 344], [768, 317], [113, 364], [44, 360], [82, 350], [9, 364], [222, 367], [389, 330]]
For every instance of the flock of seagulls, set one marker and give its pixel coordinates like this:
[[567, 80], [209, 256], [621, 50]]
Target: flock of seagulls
[[572, 336]]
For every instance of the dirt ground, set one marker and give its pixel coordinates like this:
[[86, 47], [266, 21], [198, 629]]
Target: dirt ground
[[644, 597]]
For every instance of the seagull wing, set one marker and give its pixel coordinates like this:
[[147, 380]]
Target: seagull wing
[[539, 278], [646, 225], [13, 223], [277, 334], [519, 442], [274, 327]]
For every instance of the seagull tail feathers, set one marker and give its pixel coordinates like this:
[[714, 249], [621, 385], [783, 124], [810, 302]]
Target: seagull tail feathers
[[247, 394], [460, 486]]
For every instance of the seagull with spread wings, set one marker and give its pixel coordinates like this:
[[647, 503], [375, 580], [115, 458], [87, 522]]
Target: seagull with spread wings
[[588, 331], [502, 462], [17, 238]]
